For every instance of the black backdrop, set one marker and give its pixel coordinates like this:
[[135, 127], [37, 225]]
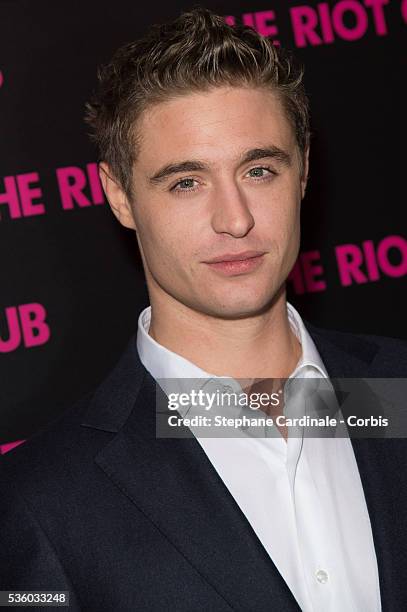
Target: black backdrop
[[71, 279]]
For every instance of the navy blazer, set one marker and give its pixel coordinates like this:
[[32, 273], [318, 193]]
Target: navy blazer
[[95, 504]]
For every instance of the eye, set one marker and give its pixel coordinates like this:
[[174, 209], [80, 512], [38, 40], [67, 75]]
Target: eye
[[185, 184], [261, 172]]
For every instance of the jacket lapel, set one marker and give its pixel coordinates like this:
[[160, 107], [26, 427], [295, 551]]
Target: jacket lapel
[[174, 484]]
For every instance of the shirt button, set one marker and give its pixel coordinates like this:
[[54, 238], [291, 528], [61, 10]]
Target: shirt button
[[322, 576]]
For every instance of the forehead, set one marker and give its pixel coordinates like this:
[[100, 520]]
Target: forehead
[[214, 125]]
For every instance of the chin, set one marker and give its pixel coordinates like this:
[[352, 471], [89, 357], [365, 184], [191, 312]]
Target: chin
[[239, 308]]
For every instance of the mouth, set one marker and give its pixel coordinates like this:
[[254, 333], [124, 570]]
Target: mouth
[[236, 263]]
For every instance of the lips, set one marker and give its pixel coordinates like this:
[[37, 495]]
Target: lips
[[235, 257], [236, 264]]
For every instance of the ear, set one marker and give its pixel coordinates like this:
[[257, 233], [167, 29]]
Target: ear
[[116, 197], [305, 169]]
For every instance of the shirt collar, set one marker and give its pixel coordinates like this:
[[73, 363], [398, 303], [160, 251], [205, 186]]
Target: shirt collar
[[163, 363], [310, 357]]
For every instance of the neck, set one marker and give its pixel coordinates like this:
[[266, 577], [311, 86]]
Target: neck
[[260, 346]]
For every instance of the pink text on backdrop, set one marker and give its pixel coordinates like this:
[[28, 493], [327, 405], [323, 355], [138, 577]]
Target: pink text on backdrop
[[25, 325], [19, 193], [261, 21], [306, 275], [5, 448], [369, 262], [347, 20], [78, 187]]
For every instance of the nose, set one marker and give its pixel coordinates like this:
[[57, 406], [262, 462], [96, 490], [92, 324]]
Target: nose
[[231, 212]]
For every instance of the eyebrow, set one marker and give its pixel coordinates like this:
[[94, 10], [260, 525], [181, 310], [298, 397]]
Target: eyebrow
[[271, 151]]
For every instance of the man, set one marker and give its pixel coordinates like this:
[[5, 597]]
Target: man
[[204, 138]]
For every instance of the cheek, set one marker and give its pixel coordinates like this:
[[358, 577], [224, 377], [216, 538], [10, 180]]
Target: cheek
[[278, 210], [165, 240]]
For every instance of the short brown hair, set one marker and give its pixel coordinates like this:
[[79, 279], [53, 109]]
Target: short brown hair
[[195, 52]]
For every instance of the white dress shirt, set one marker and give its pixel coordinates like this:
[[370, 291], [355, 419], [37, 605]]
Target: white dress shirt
[[303, 497]]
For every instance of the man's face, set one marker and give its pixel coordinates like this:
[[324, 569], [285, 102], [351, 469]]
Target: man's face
[[217, 177]]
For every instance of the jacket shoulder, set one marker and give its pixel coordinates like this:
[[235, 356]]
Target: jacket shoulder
[[53, 454], [386, 356]]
